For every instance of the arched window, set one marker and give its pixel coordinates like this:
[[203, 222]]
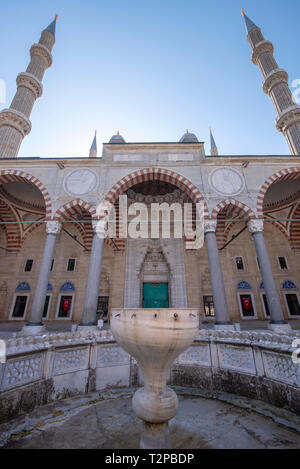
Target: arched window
[[289, 285], [67, 286], [243, 285], [23, 286]]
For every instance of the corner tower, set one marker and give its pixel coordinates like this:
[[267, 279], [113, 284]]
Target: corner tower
[[275, 84], [14, 122]]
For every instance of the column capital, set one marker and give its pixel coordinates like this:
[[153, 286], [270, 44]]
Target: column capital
[[53, 227], [210, 225], [256, 226], [99, 227]]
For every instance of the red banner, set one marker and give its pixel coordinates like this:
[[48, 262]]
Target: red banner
[[66, 305], [247, 304]]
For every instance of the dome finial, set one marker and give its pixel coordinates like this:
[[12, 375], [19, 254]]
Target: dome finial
[[117, 138], [188, 138], [56, 17]]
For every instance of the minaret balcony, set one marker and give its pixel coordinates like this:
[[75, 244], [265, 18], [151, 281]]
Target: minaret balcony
[[15, 119], [29, 81], [274, 78], [288, 118], [262, 47], [42, 51]]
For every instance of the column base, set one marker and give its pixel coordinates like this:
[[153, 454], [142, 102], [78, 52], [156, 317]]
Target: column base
[[226, 326], [155, 436], [280, 328], [29, 330]]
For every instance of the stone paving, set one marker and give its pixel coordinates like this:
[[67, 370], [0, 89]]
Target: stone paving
[[106, 420]]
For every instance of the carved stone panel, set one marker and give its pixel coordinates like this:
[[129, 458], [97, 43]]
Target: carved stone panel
[[112, 356], [236, 358]]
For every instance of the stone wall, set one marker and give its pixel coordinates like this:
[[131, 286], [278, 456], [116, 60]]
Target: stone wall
[[39, 370], [194, 274]]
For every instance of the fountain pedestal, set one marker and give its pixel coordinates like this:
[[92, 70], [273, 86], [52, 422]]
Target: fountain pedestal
[[155, 337]]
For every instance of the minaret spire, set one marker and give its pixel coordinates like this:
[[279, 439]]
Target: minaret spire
[[249, 23], [275, 84], [93, 149], [14, 122], [213, 147]]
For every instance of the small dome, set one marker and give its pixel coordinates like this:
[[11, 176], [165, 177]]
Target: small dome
[[189, 138], [117, 139]]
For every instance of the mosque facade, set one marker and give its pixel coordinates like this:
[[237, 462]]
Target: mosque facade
[[58, 264]]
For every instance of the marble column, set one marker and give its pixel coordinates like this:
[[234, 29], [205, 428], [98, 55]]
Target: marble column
[[216, 275], [277, 323], [35, 324], [93, 281]]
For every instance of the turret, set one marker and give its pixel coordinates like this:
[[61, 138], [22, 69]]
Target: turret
[[213, 147], [14, 122], [93, 149], [275, 84]]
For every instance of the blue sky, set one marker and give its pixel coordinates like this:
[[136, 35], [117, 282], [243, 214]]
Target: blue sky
[[151, 69]]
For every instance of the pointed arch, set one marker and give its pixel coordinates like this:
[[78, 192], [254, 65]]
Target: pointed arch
[[73, 209], [282, 175], [160, 174], [238, 211], [235, 203], [13, 175]]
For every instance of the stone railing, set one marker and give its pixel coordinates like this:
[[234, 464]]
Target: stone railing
[[41, 369]]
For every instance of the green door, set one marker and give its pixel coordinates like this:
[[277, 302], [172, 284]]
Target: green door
[[155, 295]]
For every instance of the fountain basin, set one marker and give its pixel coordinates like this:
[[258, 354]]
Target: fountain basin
[[155, 337]]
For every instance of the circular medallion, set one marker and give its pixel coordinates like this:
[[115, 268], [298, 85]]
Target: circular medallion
[[226, 181], [81, 181]]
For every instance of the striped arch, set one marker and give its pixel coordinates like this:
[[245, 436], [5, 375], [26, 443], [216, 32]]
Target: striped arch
[[13, 175], [160, 174], [282, 175], [238, 211], [225, 203], [12, 231], [79, 210], [73, 209]]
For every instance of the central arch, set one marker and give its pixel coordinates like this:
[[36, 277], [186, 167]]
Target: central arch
[[160, 174]]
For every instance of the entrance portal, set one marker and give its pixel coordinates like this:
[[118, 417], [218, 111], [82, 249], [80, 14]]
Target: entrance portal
[[155, 295]]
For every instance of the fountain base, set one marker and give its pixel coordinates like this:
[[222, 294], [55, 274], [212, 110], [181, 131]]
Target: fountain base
[[155, 436]]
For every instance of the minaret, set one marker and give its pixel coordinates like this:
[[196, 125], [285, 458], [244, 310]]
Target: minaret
[[275, 84], [213, 147], [14, 122], [93, 149]]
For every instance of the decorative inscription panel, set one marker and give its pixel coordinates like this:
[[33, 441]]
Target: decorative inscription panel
[[281, 367], [81, 181], [236, 358], [226, 181], [196, 355], [24, 370], [112, 356], [70, 360]]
